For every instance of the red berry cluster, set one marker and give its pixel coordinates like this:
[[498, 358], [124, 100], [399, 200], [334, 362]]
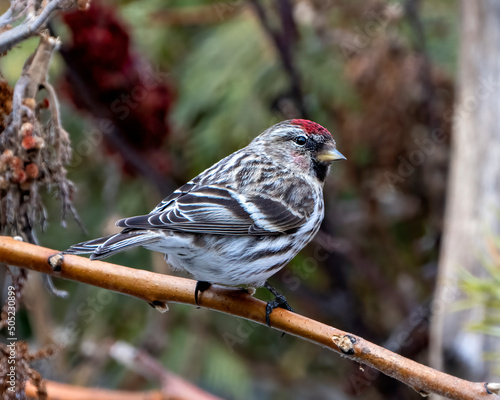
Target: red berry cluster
[[107, 79]]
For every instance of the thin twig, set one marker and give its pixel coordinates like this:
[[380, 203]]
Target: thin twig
[[158, 289], [34, 74], [6, 17], [12, 37], [16, 11]]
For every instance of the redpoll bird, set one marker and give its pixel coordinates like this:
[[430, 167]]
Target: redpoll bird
[[243, 219]]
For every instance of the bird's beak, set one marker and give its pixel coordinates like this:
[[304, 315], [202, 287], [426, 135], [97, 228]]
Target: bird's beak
[[330, 155]]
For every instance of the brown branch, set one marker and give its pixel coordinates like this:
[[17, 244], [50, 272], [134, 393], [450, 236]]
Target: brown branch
[[61, 391], [158, 289]]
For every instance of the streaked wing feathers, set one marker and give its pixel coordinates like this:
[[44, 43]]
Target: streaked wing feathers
[[176, 194], [219, 210], [276, 216]]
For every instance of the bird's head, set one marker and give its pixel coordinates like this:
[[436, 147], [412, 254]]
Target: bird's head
[[304, 145]]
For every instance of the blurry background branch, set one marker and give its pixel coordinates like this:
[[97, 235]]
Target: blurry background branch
[[150, 368], [284, 38], [159, 289], [61, 391], [172, 386]]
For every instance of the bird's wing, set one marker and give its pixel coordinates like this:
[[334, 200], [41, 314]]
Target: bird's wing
[[219, 210], [167, 201]]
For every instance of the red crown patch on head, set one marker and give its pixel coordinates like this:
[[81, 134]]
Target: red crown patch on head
[[311, 127]]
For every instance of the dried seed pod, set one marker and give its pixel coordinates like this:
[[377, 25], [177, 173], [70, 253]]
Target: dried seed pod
[[5, 159], [4, 183], [28, 143], [6, 156], [44, 103], [29, 102], [32, 143], [18, 176], [26, 129], [26, 185], [31, 171], [39, 142], [16, 163]]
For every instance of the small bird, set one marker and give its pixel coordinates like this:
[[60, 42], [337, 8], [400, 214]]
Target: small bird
[[244, 218]]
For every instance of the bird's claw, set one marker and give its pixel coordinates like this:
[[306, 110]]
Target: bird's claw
[[201, 286], [278, 302]]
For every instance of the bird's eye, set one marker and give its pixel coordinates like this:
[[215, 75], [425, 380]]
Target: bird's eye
[[301, 140]]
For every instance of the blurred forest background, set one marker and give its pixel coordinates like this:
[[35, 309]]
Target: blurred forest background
[[152, 92]]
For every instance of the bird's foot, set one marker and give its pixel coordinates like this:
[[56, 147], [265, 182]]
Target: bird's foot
[[201, 286], [278, 302]]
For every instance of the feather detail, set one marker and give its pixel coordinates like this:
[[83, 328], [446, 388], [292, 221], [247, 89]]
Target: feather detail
[[109, 245], [221, 211]]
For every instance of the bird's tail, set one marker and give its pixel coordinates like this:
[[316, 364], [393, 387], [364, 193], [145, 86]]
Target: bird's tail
[[107, 246]]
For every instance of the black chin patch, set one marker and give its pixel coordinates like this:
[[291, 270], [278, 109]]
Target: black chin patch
[[320, 170]]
